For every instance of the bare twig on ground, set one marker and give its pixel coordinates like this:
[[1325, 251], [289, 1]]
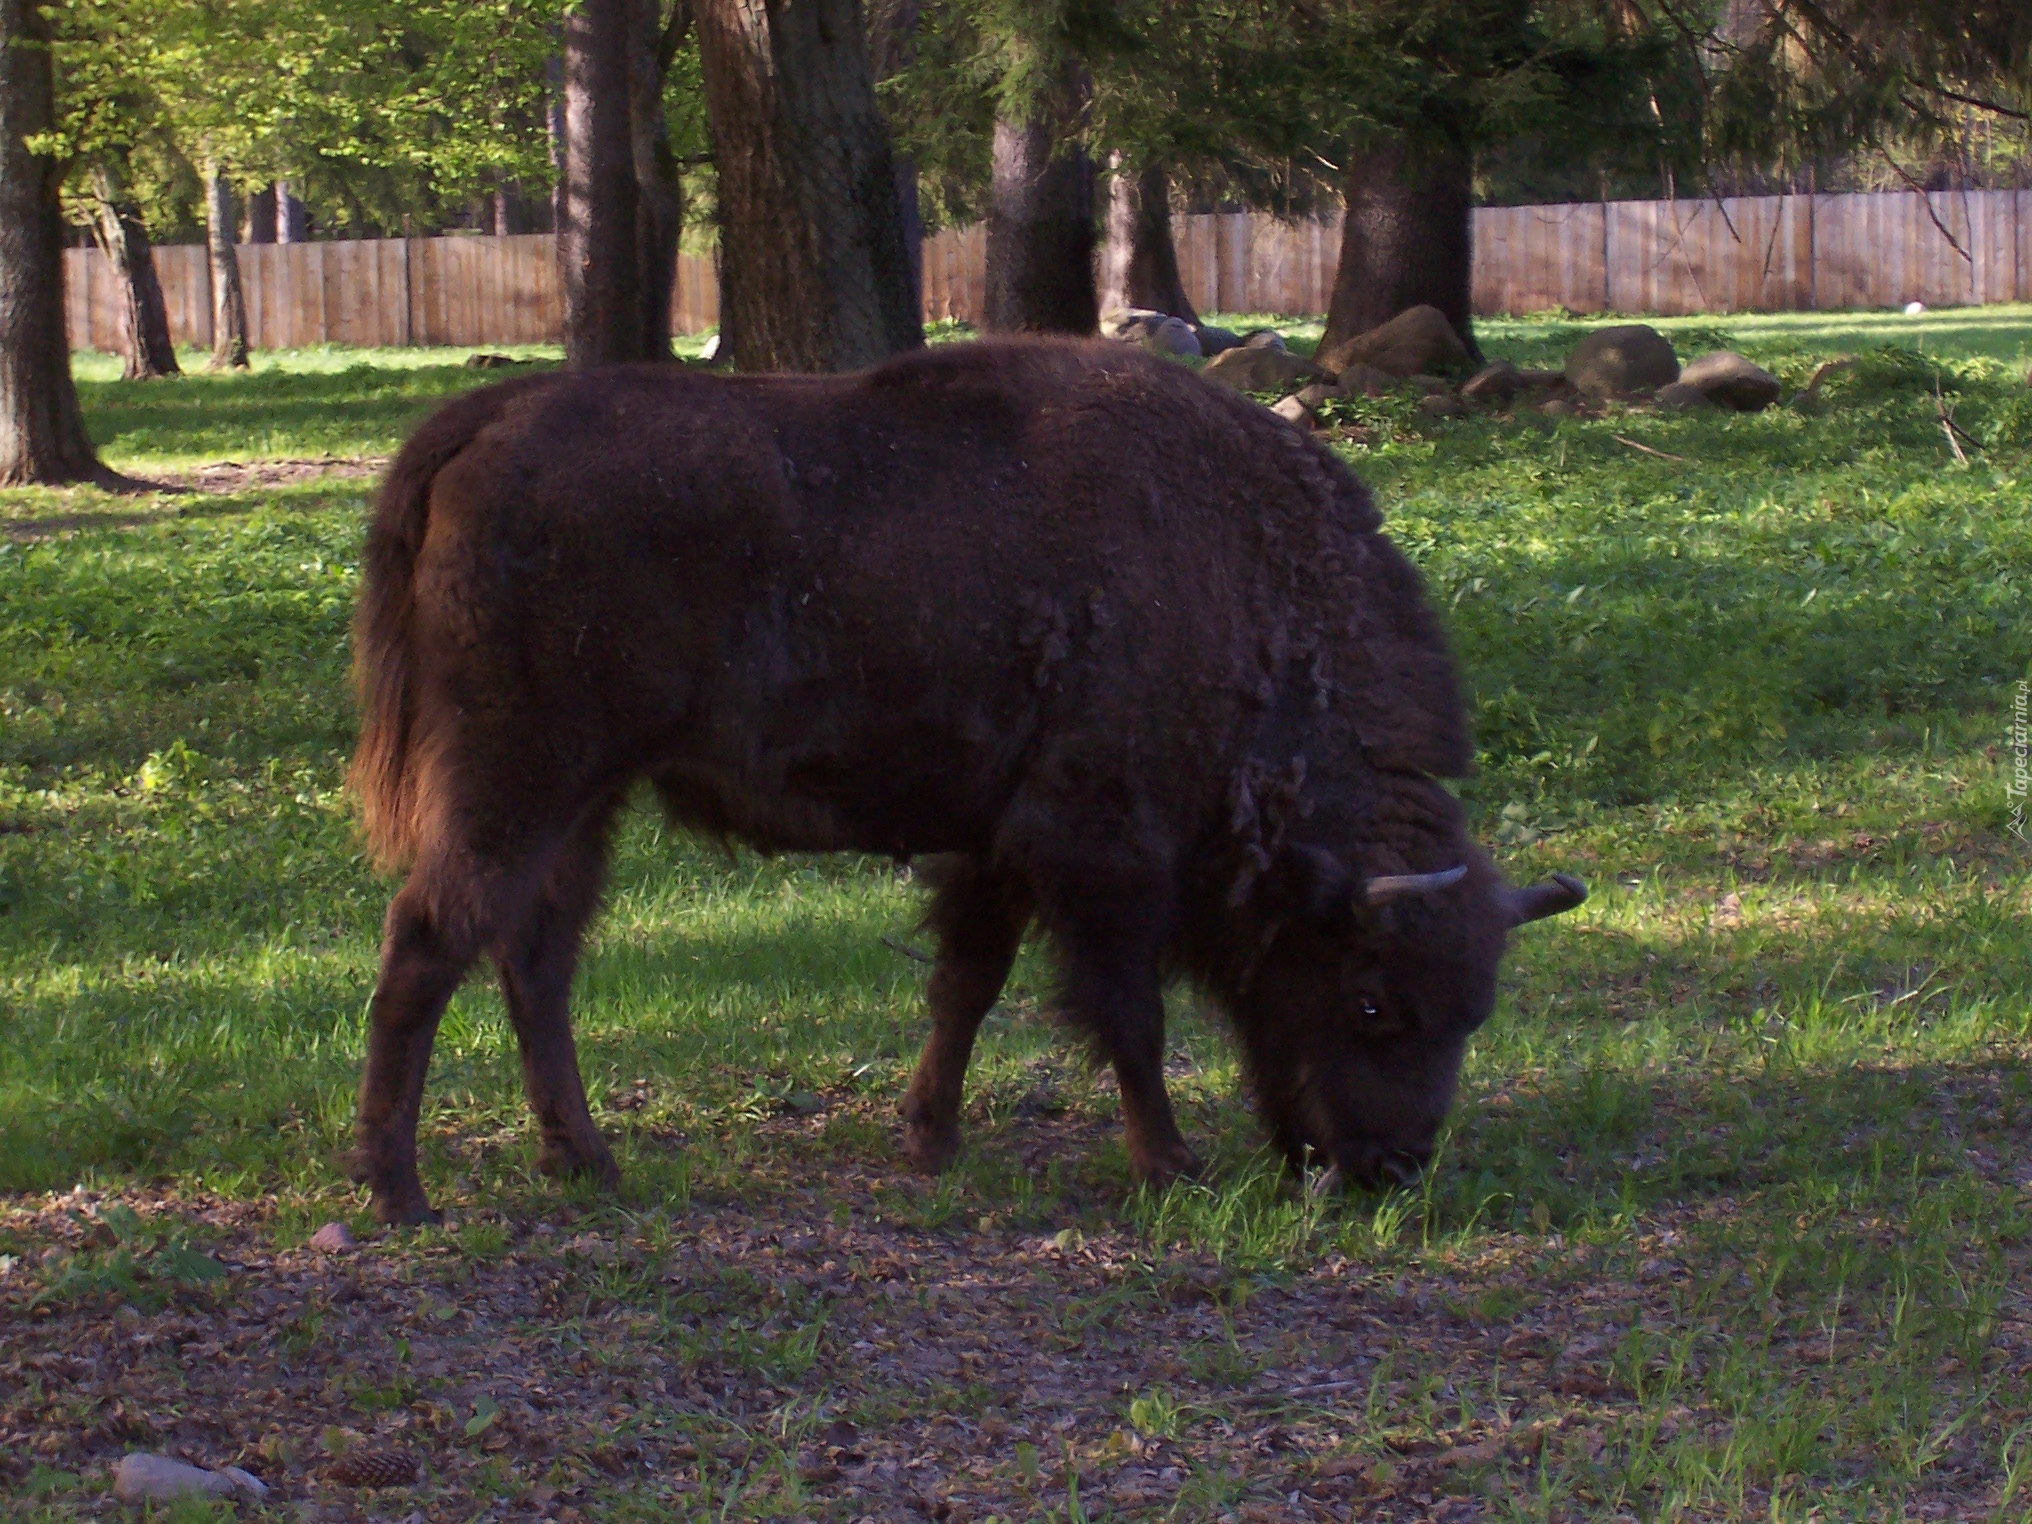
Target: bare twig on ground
[[1661, 454], [1948, 425], [908, 951]]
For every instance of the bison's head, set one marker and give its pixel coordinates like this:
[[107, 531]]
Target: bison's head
[[1360, 1005]]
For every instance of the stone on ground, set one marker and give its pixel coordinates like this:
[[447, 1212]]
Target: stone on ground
[[1257, 370], [144, 1478], [1441, 405], [1263, 338], [1214, 341], [1159, 332], [1621, 361], [1365, 381], [1292, 408], [333, 1238], [1726, 379], [1128, 322], [1316, 392], [1417, 341], [1680, 395], [1494, 385], [1171, 336]]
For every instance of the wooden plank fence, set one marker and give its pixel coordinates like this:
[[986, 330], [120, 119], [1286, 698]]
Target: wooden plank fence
[[1744, 254], [1756, 253]]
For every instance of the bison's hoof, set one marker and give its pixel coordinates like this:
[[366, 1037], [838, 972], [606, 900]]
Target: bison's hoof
[[1160, 1169], [406, 1211], [932, 1150], [563, 1159]]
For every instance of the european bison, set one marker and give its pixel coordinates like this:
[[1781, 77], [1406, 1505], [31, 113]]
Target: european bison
[[1127, 654]]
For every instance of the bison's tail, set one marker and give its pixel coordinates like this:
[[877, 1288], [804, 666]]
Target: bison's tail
[[383, 776]]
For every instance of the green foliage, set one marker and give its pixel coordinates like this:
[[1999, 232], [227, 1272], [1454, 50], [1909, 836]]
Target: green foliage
[[375, 110]]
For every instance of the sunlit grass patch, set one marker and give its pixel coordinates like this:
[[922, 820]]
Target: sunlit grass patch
[[1731, 1219]]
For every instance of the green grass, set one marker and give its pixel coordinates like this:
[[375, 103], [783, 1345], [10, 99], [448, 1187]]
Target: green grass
[[1760, 1110]]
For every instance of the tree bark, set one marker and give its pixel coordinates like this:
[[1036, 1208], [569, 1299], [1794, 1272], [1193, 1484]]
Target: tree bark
[[122, 236], [815, 272], [659, 206], [292, 217], [229, 300], [1407, 241], [42, 428], [1141, 265], [599, 262], [892, 31], [260, 216], [1040, 275]]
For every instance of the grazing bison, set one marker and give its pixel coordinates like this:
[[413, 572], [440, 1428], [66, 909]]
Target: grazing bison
[[1125, 653]]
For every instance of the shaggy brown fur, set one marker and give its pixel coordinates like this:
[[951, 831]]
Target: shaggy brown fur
[[1126, 652]]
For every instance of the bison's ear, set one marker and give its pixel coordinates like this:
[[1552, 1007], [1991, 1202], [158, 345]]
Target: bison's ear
[[1546, 897]]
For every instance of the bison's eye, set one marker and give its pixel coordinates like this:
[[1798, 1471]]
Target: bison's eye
[[1366, 1006]]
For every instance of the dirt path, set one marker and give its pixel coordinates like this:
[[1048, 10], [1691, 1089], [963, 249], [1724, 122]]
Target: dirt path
[[820, 1355]]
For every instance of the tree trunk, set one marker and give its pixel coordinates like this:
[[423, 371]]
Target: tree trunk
[[892, 32], [510, 214], [1407, 241], [260, 215], [599, 262], [292, 217], [144, 317], [1040, 276], [229, 301], [659, 205], [42, 429], [815, 274], [1141, 267]]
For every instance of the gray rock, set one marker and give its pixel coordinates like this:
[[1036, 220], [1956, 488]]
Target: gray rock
[[1494, 385], [333, 1238], [1418, 341], [1292, 408], [144, 1478], [1365, 381], [1313, 394], [1263, 338], [1726, 379], [1440, 405], [1171, 336], [1680, 395], [1558, 407], [1257, 370], [1128, 322], [1214, 341], [1622, 361]]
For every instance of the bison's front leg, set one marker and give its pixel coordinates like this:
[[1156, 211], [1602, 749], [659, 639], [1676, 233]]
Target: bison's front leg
[[420, 969], [1114, 990], [979, 917]]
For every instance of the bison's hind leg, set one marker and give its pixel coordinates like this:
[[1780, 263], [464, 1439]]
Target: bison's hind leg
[[536, 964], [979, 917], [527, 906], [429, 941]]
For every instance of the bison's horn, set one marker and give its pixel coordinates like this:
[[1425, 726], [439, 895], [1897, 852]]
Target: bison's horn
[[1390, 886], [1547, 897]]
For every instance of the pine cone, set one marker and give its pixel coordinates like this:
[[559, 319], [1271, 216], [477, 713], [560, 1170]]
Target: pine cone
[[373, 1468]]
